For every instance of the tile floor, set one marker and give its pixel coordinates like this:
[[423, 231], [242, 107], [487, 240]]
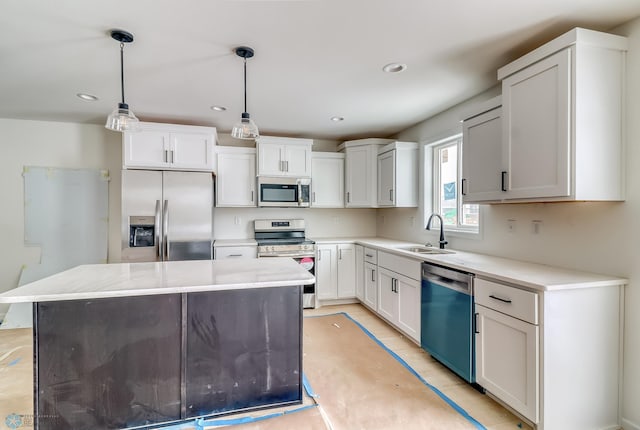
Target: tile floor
[[484, 409]]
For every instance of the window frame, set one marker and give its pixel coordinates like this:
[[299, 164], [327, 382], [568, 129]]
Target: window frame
[[434, 148]]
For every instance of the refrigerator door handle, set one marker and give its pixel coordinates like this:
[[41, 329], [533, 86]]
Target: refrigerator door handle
[[165, 230], [158, 238]]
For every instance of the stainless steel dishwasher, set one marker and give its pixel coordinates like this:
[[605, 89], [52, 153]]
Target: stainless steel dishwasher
[[447, 318]]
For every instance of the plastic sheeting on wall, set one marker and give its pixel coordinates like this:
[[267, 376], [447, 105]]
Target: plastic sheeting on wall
[[66, 215]]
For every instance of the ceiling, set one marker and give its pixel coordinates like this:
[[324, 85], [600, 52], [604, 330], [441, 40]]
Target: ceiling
[[314, 59]]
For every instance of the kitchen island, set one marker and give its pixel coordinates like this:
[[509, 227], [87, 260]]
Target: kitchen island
[[127, 345]]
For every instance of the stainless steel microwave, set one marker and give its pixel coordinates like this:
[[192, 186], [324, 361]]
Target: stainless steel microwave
[[283, 192]]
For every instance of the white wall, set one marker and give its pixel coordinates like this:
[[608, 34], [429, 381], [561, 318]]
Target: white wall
[[237, 223], [49, 144], [595, 237]]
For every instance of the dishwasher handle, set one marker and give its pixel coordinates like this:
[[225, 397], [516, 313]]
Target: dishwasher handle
[[461, 287]]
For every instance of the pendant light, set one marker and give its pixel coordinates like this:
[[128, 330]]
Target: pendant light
[[246, 128], [122, 118]]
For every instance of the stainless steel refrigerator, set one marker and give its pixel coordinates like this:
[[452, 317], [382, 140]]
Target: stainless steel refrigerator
[[166, 215]]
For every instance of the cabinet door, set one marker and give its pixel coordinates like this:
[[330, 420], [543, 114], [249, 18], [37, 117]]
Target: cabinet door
[[507, 360], [192, 151], [387, 178], [346, 271], [236, 180], [387, 296], [326, 272], [270, 160], [537, 115], [359, 252], [359, 179], [371, 286], [409, 306], [327, 182], [148, 149], [297, 160], [482, 157]]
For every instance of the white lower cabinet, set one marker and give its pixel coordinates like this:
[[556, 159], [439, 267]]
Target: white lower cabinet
[[335, 271], [359, 267], [507, 360], [552, 356], [371, 286], [399, 292]]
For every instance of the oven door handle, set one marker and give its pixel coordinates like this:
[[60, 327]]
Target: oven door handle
[[287, 255]]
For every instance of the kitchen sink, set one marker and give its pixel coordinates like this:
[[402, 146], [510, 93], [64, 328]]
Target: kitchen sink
[[425, 250]]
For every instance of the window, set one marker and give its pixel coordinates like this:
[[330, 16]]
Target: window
[[447, 170]]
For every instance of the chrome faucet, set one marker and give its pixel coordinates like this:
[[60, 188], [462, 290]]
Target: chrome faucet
[[442, 241]]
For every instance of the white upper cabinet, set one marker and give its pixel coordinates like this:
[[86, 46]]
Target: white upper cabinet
[[327, 180], [482, 154], [283, 156], [562, 113], [236, 179], [361, 167], [398, 175], [169, 147]]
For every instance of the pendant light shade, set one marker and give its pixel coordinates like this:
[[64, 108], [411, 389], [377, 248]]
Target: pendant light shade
[[122, 118], [246, 128]]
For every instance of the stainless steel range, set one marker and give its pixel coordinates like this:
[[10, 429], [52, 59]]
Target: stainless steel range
[[286, 238]]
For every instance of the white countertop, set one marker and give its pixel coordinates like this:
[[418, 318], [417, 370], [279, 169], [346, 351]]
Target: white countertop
[[534, 276], [139, 279], [234, 242]]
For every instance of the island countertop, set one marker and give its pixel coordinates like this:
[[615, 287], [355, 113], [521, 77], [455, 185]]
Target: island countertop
[[138, 279]]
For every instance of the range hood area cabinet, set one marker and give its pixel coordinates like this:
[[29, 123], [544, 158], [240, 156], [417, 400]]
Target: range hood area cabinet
[[160, 146], [562, 115], [284, 156]]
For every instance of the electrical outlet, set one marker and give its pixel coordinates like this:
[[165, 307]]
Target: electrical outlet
[[536, 226], [236, 220], [336, 220], [412, 221], [511, 225]]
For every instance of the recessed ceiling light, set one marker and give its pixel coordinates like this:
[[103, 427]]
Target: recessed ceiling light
[[394, 68], [218, 108], [87, 97], [337, 118]]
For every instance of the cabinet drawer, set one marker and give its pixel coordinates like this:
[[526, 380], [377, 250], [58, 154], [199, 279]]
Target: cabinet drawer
[[405, 266], [371, 255], [235, 252], [512, 301]]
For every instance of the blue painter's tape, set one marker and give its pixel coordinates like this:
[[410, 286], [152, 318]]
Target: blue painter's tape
[[451, 403], [245, 420], [307, 387], [14, 362]]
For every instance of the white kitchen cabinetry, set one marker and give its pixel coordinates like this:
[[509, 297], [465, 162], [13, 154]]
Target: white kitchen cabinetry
[[361, 166], [169, 147], [236, 179], [283, 156], [371, 279], [399, 292], [507, 345], [562, 114], [398, 175], [335, 271], [359, 267], [482, 154], [237, 252], [536, 349], [327, 180]]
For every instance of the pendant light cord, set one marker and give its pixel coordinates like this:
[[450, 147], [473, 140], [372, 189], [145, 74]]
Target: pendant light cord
[[122, 70], [245, 84]]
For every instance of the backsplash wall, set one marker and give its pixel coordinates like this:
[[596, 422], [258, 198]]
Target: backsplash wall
[[237, 223]]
